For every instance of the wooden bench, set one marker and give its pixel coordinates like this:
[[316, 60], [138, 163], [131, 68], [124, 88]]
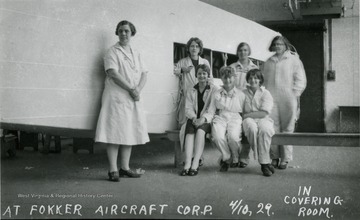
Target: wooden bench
[[296, 139]]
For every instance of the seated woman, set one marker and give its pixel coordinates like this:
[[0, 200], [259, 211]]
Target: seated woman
[[197, 101], [257, 124], [225, 113]]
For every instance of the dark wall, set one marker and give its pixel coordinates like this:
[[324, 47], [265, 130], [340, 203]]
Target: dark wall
[[307, 37]]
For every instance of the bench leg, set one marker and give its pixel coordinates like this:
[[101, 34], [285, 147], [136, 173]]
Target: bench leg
[[28, 140], [57, 144], [178, 154], [83, 143], [47, 142]]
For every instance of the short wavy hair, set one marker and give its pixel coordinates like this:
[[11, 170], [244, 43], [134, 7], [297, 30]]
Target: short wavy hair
[[204, 67], [257, 73], [242, 44], [226, 72], [196, 40], [125, 22]]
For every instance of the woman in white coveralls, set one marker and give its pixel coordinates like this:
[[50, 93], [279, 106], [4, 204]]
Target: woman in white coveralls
[[241, 67], [122, 120], [258, 126], [225, 113], [284, 77]]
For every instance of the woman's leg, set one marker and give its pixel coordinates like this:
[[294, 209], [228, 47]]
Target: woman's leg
[[199, 148], [112, 154], [287, 123], [218, 131], [251, 131], [233, 137], [275, 149], [266, 131], [189, 148], [125, 154]]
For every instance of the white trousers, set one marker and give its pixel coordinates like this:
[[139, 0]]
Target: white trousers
[[226, 134], [259, 133], [284, 116]]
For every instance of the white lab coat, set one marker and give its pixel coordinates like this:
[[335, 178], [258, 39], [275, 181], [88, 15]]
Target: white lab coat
[[191, 107], [122, 120], [189, 80], [286, 80]]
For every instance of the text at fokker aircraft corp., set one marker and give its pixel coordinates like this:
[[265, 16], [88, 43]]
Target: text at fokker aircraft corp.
[[51, 61]]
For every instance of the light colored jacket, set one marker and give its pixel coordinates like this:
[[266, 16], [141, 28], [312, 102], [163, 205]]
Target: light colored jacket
[[229, 105], [191, 107], [286, 74], [189, 79]]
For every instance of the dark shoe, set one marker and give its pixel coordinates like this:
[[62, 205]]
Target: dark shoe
[[271, 168], [114, 176], [283, 165], [224, 166], [275, 163], [232, 165], [201, 162], [266, 170], [184, 172], [193, 172], [242, 164], [128, 173]]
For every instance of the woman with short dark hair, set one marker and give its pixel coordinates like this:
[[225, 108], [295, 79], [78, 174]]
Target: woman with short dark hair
[[196, 127], [122, 121], [258, 126], [187, 67]]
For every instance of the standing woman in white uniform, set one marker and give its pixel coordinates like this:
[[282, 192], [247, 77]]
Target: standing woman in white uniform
[[185, 69], [284, 77], [122, 121], [257, 124]]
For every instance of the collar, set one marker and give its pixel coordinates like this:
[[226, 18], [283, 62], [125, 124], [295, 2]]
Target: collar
[[261, 89], [286, 55], [250, 65], [200, 60], [230, 94], [206, 87], [119, 47]]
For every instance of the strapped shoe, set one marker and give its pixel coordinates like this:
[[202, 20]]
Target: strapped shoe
[[193, 172], [114, 176], [129, 173], [184, 172]]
